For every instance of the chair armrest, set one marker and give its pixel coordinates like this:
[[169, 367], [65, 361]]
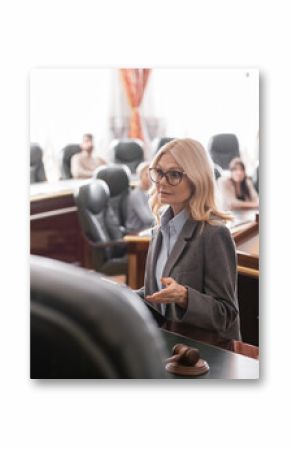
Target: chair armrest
[[109, 244]]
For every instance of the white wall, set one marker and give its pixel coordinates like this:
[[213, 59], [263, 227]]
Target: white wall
[[66, 103], [199, 103]]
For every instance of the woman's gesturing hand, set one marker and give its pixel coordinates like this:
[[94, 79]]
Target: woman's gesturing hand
[[172, 293]]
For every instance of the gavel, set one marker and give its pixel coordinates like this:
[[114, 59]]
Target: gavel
[[184, 355], [186, 361]]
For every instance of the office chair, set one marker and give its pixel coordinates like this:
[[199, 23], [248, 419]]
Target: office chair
[[84, 327], [101, 228], [129, 152], [222, 149], [67, 153], [37, 172], [160, 142], [117, 178]]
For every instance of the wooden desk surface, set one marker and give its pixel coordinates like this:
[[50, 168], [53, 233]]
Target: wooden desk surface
[[223, 364], [45, 190], [63, 187]]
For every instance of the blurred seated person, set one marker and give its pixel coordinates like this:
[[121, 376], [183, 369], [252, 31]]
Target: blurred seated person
[[139, 215], [83, 164], [237, 191]]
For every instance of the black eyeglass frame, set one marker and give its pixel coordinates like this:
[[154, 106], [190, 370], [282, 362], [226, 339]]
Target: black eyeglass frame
[[162, 174]]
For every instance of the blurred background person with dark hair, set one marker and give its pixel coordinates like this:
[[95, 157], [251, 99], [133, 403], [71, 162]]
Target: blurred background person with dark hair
[[83, 164], [237, 191], [139, 215]]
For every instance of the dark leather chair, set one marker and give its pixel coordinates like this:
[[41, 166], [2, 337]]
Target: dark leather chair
[[129, 152], [160, 142], [83, 327], [37, 172], [117, 178], [101, 228], [222, 149], [67, 153]]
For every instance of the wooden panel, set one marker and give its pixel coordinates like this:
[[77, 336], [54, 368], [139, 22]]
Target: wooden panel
[[246, 237], [58, 237], [248, 295], [55, 231], [137, 254], [43, 205]]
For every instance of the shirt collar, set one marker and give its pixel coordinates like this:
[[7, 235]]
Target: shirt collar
[[176, 222]]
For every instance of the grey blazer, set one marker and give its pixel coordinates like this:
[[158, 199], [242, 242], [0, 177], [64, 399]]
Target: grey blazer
[[203, 259]]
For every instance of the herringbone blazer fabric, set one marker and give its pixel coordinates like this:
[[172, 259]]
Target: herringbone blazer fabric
[[203, 259]]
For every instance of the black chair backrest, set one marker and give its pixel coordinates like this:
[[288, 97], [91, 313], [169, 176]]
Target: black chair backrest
[[223, 148], [129, 152], [37, 172], [117, 178], [83, 327], [97, 219], [67, 153], [161, 142]]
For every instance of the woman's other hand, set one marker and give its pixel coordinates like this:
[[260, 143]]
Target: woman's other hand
[[172, 293]]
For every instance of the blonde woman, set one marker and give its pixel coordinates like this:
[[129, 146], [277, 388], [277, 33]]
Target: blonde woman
[[190, 274]]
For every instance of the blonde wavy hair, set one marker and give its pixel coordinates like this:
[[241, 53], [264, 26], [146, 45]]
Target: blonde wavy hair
[[194, 161]]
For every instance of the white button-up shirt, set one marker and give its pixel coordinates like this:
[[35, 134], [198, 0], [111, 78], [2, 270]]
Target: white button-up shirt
[[171, 227]]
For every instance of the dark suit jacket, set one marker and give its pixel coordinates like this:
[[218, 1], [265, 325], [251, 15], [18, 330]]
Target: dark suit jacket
[[203, 259]]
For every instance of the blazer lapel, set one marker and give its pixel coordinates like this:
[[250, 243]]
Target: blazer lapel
[[180, 244], [155, 248]]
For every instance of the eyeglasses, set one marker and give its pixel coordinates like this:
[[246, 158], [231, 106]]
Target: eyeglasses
[[173, 177]]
